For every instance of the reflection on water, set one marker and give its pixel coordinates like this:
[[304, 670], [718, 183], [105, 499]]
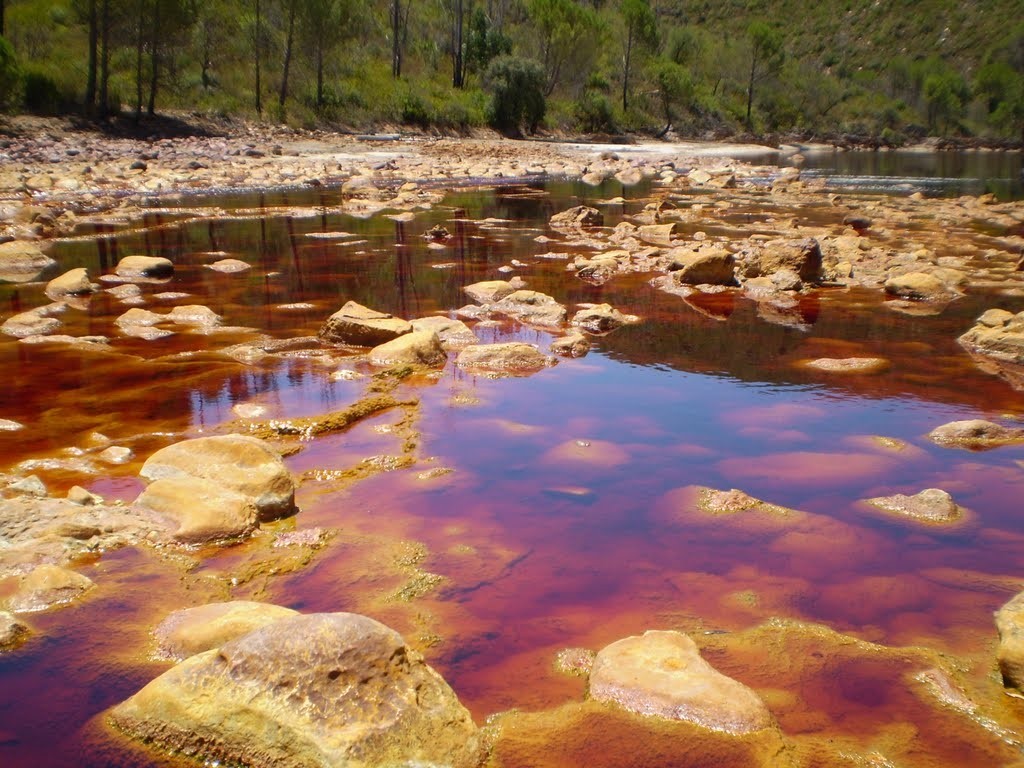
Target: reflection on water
[[563, 523]]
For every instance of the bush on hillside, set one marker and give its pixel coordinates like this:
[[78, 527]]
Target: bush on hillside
[[10, 75], [516, 86]]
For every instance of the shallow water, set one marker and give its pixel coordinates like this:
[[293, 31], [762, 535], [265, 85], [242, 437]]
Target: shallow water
[[565, 522]]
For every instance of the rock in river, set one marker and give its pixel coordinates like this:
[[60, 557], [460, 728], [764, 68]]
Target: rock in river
[[131, 267], [22, 262], [416, 348], [511, 358], [976, 435], [931, 505], [199, 511], [579, 216], [532, 308], [662, 674], [363, 327], [46, 586], [601, 318], [489, 291], [74, 282], [193, 630], [12, 632], [997, 334], [334, 689], [238, 463], [1010, 623]]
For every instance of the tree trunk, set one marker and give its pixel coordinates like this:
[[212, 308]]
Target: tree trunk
[[139, 45], [90, 83], [257, 45], [1, 17], [104, 99], [320, 72], [396, 38], [154, 58], [625, 69], [750, 87], [287, 55], [458, 65]]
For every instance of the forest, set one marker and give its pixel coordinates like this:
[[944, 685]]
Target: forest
[[891, 71]]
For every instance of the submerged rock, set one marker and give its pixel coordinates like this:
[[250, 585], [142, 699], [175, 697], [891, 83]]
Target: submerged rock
[[662, 674], [601, 318], [13, 632], [931, 505], [362, 327], [1010, 655], [416, 348], [239, 463], [976, 435], [47, 586], [190, 631], [510, 358], [333, 689], [31, 323], [849, 364], [229, 266]]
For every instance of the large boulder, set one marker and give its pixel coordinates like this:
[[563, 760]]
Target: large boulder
[[149, 267], [46, 586], [13, 632], [800, 256], [577, 217], [239, 463], [199, 511], [997, 334], [22, 261], [1010, 655], [712, 266], [532, 308], [452, 333], [662, 674], [74, 282], [190, 631], [416, 348], [510, 357], [918, 286], [362, 327], [976, 435], [325, 690]]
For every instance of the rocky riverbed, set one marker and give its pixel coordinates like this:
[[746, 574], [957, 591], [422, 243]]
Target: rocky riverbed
[[256, 436]]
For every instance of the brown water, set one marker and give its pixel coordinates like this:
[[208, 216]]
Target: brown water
[[566, 521]]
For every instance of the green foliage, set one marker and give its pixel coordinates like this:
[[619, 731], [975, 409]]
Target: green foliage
[[10, 75], [675, 87], [485, 42], [517, 93], [946, 94], [42, 95], [593, 113], [568, 37]]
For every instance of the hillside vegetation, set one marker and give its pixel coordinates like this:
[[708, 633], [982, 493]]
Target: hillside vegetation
[[883, 70]]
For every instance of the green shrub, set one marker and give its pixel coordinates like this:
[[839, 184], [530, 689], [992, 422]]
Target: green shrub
[[10, 75], [415, 111], [593, 113], [42, 95], [517, 93]]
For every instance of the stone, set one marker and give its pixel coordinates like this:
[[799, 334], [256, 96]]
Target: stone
[[859, 223], [31, 323], [28, 486], [116, 454], [712, 266], [136, 317], [319, 690], [78, 495], [47, 586], [658, 234], [917, 286], [74, 282], [629, 176], [416, 348], [452, 333], [662, 674], [601, 318], [229, 266], [7, 425], [931, 505], [199, 511], [976, 435], [532, 308], [195, 315], [239, 463], [489, 291], [578, 217], [800, 256], [698, 176], [573, 345], [13, 631], [144, 266], [509, 357], [190, 631], [22, 261], [1010, 654], [997, 334], [362, 327], [855, 365]]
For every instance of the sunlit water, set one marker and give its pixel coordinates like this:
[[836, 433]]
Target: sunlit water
[[557, 527]]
